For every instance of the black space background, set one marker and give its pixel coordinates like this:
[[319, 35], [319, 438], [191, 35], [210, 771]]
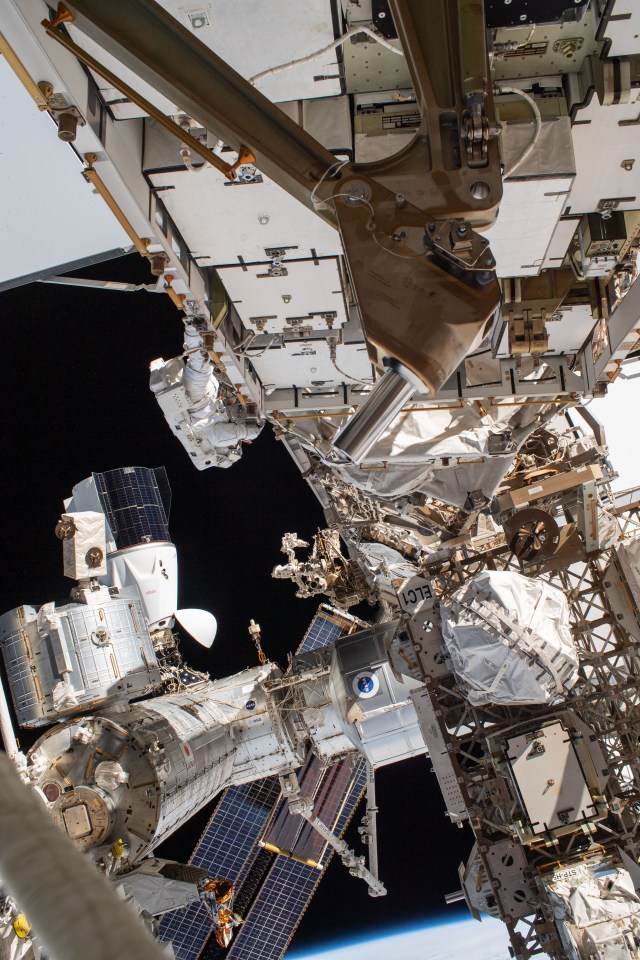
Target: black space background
[[75, 399]]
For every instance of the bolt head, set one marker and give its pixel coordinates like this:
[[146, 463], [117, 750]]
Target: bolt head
[[480, 190]]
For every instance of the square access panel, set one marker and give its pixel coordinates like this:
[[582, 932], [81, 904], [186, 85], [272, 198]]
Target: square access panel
[[550, 779]]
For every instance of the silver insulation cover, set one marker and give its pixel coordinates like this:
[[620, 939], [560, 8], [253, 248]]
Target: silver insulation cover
[[65, 660]]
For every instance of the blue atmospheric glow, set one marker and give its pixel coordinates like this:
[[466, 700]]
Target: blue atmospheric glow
[[443, 939]]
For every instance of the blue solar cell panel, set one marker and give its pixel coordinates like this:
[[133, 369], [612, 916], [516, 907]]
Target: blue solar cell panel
[[132, 501], [327, 625], [289, 885], [267, 931], [237, 822], [225, 849], [187, 930]]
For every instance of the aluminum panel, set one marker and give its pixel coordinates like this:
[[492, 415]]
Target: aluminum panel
[[438, 755], [307, 363], [302, 296], [221, 221], [250, 40], [90, 230], [623, 27], [549, 777], [368, 66], [602, 140], [86, 655], [528, 216]]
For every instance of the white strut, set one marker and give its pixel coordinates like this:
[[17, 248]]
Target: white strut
[[368, 828]]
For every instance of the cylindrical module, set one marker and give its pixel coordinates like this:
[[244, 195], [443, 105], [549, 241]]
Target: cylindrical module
[[65, 660], [140, 773], [363, 430]]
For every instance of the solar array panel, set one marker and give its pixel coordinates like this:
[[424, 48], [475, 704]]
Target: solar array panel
[[294, 836], [228, 842], [276, 888], [276, 913], [327, 625], [289, 885], [132, 501], [239, 820], [187, 930]]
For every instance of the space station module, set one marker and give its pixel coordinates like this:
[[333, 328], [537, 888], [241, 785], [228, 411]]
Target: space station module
[[141, 740]]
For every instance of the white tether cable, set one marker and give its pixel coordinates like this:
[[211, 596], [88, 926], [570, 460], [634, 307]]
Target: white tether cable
[[538, 122], [329, 47], [185, 153]]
